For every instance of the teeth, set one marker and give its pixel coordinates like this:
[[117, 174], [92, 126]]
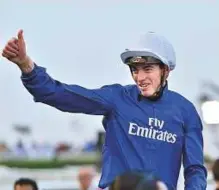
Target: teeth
[[144, 85]]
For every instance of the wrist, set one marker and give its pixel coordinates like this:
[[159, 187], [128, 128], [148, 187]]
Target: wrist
[[26, 66]]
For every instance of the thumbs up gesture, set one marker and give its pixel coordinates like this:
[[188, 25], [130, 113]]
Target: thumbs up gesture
[[15, 51]]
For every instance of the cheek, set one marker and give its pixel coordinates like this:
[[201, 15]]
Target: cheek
[[155, 79]]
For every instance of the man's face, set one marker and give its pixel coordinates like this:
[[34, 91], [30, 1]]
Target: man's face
[[147, 77], [85, 180], [23, 187]]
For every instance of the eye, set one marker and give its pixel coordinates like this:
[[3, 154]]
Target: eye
[[146, 68], [133, 69]]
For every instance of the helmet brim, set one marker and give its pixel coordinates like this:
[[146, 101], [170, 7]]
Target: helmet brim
[[145, 52]]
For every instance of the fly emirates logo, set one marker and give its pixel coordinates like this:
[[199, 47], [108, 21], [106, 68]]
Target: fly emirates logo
[[154, 131]]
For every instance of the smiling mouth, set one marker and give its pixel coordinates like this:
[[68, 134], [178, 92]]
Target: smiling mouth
[[143, 85]]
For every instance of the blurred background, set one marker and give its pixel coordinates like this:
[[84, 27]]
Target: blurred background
[[79, 42]]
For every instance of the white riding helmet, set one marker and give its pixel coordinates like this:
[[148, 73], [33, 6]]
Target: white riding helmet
[[153, 45]]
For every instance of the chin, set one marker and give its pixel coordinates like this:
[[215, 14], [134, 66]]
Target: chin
[[147, 93]]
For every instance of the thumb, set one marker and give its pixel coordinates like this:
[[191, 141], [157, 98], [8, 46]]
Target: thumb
[[20, 35], [21, 44]]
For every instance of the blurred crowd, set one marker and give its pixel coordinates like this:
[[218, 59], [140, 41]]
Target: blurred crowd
[[86, 177], [134, 180], [36, 150]]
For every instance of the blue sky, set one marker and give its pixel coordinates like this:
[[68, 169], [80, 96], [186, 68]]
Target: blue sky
[[80, 42]]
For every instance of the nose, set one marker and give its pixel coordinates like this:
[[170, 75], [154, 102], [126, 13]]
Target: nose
[[141, 75]]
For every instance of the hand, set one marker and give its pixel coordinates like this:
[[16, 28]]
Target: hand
[[15, 51]]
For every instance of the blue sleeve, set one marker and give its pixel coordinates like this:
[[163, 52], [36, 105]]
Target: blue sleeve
[[68, 98], [195, 173]]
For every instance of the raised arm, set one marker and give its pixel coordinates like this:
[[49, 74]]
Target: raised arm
[[70, 98]]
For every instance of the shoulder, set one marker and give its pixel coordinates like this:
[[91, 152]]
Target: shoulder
[[118, 87], [112, 86], [121, 92], [187, 108], [181, 100]]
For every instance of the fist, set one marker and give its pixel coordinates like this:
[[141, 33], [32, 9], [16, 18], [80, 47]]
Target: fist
[[15, 50]]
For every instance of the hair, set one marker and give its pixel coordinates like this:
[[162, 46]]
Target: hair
[[26, 181], [215, 170], [134, 181]]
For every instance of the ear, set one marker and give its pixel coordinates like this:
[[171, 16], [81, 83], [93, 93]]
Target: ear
[[166, 72]]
